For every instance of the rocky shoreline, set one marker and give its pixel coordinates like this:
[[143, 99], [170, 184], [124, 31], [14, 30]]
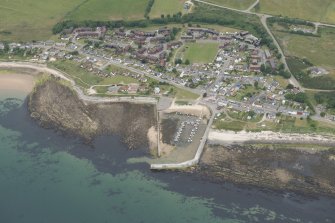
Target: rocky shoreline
[[55, 105], [278, 169]]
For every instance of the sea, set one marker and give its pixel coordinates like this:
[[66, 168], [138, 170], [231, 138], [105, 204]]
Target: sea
[[49, 177]]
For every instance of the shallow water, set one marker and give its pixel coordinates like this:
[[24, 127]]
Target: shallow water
[[48, 177]]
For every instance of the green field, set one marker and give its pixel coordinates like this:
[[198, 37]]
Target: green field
[[201, 53], [104, 10], [237, 4], [167, 7], [286, 124], [31, 19], [320, 51], [314, 10]]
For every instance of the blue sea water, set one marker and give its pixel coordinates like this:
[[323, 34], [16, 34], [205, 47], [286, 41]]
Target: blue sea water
[[46, 177]]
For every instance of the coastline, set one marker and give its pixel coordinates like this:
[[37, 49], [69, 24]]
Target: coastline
[[226, 137], [210, 166], [280, 168]]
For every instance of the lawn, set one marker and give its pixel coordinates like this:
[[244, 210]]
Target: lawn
[[166, 7], [237, 4], [314, 10], [86, 79], [82, 77], [31, 19], [201, 53], [104, 10], [118, 79], [182, 95]]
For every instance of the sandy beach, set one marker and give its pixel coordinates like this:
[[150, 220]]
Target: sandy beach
[[198, 110], [231, 137], [17, 82]]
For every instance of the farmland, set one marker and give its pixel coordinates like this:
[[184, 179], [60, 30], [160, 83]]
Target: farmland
[[166, 7], [314, 10], [320, 52], [104, 10], [237, 4], [200, 52], [44, 14], [31, 19]]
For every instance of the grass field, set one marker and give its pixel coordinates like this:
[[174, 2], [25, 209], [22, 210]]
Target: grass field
[[104, 10], [320, 51], [31, 19], [287, 124], [237, 4], [200, 52], [166, 7], [314, 10]]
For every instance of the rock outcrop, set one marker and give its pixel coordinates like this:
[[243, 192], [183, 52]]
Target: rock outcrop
[[55, 105]]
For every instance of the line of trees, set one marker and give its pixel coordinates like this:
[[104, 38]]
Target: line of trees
[[148, 8], [203, 14], [286, 20]]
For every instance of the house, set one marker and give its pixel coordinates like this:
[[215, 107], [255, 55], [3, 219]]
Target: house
[[157, 90], [255, 67], [272, 64], [133, 88], [155, 49], [113, 89], [175, 44], [186, 37], [124, 89], [89, 32], [267, 54], [244, 33]]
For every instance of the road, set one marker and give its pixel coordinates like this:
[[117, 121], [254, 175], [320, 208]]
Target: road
[[44, 69], [264, 18], [252, 6]]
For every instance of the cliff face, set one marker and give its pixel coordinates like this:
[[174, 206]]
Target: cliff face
[[55, 105]]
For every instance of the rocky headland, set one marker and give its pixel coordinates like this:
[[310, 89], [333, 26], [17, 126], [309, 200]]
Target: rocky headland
[[54, 104]]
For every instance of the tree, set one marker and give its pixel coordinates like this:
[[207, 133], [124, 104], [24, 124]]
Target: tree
[[256, 84], [187, 62], [251, 113], [323, 114], [290, 86], [162, 16], [178, 61], [285, 74]]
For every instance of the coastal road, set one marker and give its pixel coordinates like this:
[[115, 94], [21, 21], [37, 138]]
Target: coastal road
[[44, 69], [196, 91]]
